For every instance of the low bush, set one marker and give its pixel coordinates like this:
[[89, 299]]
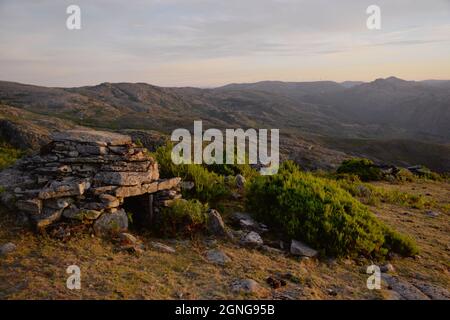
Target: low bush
[[321, 213], [363, 168], [404, 175], [8, 155], [208, 186], [182, 217]]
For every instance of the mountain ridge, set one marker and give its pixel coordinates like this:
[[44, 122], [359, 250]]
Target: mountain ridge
[[381, 110]]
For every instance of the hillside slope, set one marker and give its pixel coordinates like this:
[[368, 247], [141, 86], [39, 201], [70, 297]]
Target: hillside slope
[[319, 121]]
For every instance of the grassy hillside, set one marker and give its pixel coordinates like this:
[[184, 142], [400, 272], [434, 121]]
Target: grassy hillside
[[39, 263]]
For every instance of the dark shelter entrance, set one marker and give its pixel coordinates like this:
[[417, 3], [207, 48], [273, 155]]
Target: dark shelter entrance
[[141, 208]]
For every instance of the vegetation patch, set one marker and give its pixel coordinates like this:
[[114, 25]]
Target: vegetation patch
[[363, 168], [8, 155], [208, 186], [321, 213], [182, 217], [373, 195]]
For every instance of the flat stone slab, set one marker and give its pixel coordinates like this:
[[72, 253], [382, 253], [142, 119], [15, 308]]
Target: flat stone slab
[[123, 178], [92, 137], [298, 248]]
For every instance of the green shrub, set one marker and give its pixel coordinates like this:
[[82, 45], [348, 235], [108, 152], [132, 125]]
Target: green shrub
[[225, 169], [232, 170], [322, 214], [182, 217], [404, 175], [8, 155], [363, 168], [209, 186], [400, 243], [289, 166]]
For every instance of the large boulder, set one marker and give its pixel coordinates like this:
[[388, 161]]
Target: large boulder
[[111, 223], [216, 226]]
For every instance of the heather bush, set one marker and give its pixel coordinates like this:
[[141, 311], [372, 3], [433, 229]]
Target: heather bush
[[208, 186], [8, 155], [363, 168], [321, 213], [182, 217]]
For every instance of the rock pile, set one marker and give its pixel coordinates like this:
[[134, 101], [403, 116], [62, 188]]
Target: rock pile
[[88, 176]]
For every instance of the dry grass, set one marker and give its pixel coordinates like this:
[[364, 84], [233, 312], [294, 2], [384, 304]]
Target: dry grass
[[432, 234]]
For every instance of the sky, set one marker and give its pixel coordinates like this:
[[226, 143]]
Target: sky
[[207, 43]]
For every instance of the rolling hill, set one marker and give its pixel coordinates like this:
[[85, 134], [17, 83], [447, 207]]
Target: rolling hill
[[321, 123]]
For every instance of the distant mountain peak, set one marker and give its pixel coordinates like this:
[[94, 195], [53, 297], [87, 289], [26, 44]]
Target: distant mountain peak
[[391, 82], [395, 80], [391, 79]]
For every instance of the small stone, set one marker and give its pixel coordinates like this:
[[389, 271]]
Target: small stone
[[217, 257], [432, 214], [252, 239], [33, 206], [48, 217], [72, 212], [59, 203], [248, 224], [298, 248], [332, 292], [187, 185], [89, 214], [275, 283], [168, 184], [240, 181], [127, 239], [271, 250], [247, 286], [162, 247], [7, 248], [387, 268], [109, 201], [236, 196]]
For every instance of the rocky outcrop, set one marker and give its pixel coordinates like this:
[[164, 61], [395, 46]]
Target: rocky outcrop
[[85, 175]]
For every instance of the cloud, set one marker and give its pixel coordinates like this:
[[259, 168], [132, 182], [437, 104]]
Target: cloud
[[148, 35]]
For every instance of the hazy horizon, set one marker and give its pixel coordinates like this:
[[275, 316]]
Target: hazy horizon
[[212, 87], [207, 44]]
